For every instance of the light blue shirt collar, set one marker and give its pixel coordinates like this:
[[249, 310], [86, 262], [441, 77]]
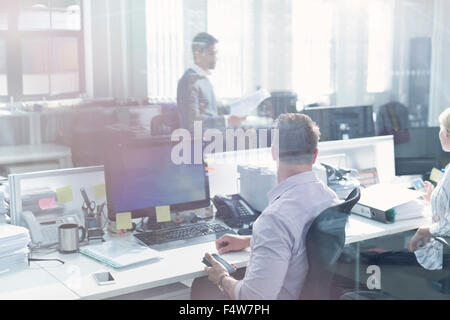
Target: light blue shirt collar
[[292, 181], [200, 71]]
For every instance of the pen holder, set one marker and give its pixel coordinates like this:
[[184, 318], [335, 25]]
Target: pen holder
[[93, 228]]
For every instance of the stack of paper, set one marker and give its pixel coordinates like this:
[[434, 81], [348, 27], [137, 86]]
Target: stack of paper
[[13, 247]]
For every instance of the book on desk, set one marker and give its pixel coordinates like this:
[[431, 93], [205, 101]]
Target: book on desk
[[120, 252]]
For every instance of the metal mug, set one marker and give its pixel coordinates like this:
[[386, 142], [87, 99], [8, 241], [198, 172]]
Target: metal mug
[[69, 237]]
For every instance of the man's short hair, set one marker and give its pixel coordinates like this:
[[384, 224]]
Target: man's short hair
[[298, 137], [203, 41]]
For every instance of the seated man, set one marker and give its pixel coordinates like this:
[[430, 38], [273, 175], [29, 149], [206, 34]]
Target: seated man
[[278, 263]]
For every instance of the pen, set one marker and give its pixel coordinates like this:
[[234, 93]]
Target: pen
[[100, 209]]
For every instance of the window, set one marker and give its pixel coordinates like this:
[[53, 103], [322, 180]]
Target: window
[[380, 29], [3, 77], [164, 48], [42, 42], [313, 47], [232, 77]]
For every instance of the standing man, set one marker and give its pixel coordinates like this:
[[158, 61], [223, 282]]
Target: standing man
[[195, 93], [278, 262]]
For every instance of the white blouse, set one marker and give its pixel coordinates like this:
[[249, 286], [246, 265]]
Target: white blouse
[[430, 256]]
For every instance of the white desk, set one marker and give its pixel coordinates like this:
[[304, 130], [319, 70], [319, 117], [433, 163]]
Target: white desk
[[31, 284], [36, 153], [177, 265], [360, 228]]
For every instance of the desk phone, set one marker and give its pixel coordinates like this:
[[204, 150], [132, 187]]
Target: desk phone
[[44, 231], [234, 210]]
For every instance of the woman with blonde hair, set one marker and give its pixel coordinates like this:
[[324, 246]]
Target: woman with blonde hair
[[424, 259], [429, 253]]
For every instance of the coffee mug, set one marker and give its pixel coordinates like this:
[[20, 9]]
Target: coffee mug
[[69, 237]]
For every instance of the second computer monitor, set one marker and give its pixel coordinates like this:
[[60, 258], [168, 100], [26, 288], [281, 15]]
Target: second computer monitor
[[339, 123], [141, 175]]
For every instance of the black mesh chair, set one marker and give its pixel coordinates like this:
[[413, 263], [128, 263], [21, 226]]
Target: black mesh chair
[[325, 242]]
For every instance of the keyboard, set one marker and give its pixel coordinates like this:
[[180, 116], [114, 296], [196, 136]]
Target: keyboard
[[183, 235]]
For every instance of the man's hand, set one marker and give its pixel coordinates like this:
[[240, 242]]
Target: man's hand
[[216, 270], [419, 239], [235, 121], [232, 242]]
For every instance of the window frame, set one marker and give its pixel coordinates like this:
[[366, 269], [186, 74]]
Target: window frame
[[13, 38]]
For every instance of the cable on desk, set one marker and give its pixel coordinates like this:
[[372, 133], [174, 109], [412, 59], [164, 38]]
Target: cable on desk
[[34, 259]]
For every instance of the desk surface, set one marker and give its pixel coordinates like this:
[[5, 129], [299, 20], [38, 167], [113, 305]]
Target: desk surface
[[73, 280], [32, 153], [176, 265], [33, 283]]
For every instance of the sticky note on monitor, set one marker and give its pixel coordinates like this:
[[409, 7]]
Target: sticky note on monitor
[[64, 194], [99, 191], [47, 203], [163, 214], [123, 221], [436, 175]]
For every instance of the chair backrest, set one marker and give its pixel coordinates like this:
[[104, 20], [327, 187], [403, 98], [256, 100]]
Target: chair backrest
[[167, 122], [325, 241], [393, 119]]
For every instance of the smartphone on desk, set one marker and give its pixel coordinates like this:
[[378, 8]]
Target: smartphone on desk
[[103, 278]]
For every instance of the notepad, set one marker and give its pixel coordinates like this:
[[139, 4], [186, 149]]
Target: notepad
[[119, 253]]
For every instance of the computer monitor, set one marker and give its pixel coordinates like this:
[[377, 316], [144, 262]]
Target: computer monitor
[[140, 176], [339, 123]]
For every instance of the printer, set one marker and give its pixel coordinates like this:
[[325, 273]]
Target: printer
[[257, 181]]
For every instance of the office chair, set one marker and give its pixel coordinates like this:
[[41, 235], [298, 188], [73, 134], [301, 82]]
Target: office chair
[[165, 123], [325, 242], [417, 281]]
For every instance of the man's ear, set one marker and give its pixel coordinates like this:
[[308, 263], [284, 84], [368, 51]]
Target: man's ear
[[274, 153], [316, 152]]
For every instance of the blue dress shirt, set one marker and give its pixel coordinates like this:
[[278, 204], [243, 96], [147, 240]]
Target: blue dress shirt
[[278, 262]]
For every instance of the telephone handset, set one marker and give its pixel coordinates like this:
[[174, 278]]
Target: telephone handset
[[234, 210], [33, 226], [44, 231]]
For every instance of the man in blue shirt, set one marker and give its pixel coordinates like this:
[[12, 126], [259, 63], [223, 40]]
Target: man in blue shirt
[[195, 94], [278, 262]]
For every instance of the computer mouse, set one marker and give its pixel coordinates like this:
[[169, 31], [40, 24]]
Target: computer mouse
[[246, 231]]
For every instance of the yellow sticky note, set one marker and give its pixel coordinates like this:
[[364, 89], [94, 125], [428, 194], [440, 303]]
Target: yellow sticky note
[[64, 194], [163, 214], [436, 175], [123, 221], [99, 191]]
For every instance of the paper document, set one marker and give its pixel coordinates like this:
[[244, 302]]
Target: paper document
[[249, 103], [385, 196], [120, 253]]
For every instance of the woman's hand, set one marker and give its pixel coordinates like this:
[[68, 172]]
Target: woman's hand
[[429, 188], [419, 239]]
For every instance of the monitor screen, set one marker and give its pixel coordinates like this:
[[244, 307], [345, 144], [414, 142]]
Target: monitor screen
[[339, 123], [140, 175]]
